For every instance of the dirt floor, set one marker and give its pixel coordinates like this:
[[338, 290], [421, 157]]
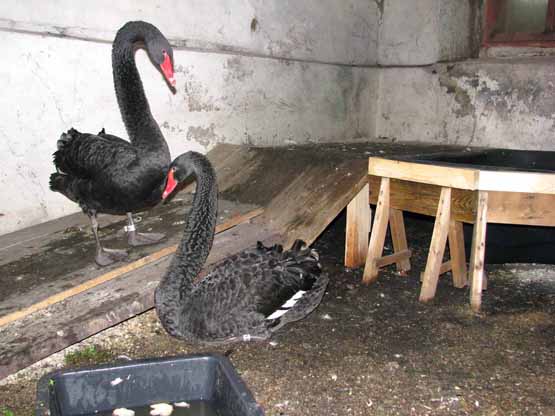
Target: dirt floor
[[373, 350]]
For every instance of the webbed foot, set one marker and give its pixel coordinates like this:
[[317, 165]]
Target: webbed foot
[[107, 256], [136, 239]]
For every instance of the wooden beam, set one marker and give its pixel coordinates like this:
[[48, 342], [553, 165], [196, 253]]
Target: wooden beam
[[453, 177], [521, 208], [423, 198], [377, 236], [513, 181], [457, 253], [437, 246], [399, 237], [472, 179], [478, 252], [393, 258], [444, 268], [357, 229], [112, 274]]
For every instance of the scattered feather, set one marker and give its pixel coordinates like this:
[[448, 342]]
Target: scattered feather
[[161, 409], [116, 381], [326, 316], [182, 404], [122, 411], [273, 343]]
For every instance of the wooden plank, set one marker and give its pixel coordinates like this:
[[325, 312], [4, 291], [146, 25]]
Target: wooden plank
[[112, 274], [478, 252], [41, 267], [399, 237], [423, 198], [444, 268], [453, 177], [521, 208], [457, 253], [377, 236], [302, 188], [64, 323], [437, 246], [393, 258], [314, 198], [512, 181], [357, 229]]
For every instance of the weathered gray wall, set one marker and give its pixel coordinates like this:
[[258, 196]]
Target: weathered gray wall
[[484, 102], [263, 72], [493, 103], [271, 72], [426, 31], [336, 31]]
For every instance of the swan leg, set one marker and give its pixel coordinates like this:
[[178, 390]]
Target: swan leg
[[105, 256], [136, 239]]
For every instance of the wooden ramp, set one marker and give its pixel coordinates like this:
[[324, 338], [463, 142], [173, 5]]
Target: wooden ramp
[[53, 295]]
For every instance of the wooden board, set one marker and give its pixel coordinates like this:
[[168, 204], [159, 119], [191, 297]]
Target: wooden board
[[504, 207], [302, 188], [469, 178], [119, 271], [357, 229], [36, 269], [453, 177], [521, 208], [437, 247], [423, 198], [505, 181], [49, 330]]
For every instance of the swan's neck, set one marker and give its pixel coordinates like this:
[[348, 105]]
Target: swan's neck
[[141, 127], [190, 256]]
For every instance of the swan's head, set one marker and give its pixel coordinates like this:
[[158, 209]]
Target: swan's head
[[180, 169], [140, 33], [161, 53], [166, 64]]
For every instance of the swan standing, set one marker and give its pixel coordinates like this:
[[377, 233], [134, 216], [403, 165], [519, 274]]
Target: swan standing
[[248, 296], [106, 174]]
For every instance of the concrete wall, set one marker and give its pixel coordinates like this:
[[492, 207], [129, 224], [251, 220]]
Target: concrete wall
[[263, 72], [506, 103], [337, 31], [424, 32], [492, 103], [268, 81]]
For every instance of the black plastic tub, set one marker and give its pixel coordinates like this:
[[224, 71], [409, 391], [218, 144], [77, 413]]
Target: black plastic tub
[[193, 378], [506, 243], [494, 159]]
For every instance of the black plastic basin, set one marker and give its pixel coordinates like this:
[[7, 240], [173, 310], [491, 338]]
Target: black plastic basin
[[210, 378], [494, 159], [505, 243]]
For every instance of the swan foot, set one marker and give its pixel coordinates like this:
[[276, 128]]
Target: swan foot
[[135, 239], [107, 256]]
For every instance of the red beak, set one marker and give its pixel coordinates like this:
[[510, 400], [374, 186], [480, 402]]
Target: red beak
[[171, 183], [167, 69]]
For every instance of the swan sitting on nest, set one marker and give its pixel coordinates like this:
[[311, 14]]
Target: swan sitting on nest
[[248, 296]]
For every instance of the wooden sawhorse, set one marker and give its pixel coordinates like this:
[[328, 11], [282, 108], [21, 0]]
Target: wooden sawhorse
[[453, 195]]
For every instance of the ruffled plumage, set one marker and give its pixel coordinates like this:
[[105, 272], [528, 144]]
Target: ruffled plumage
[[249, 295]]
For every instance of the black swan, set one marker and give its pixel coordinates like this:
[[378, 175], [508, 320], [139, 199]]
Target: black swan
[[106, 174], [246, 297]]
